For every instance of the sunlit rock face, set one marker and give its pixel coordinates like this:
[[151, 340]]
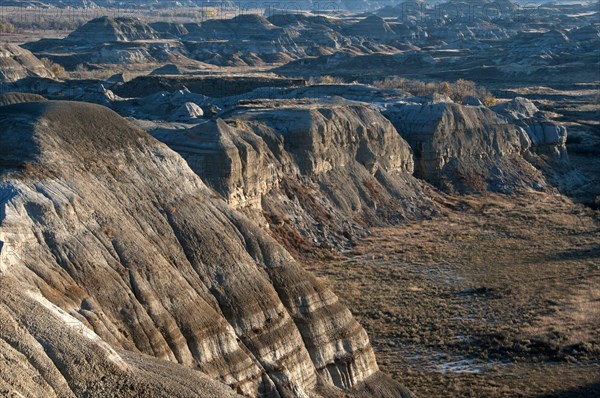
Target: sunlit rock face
[[322, 169], [126, 273], [17, 63]]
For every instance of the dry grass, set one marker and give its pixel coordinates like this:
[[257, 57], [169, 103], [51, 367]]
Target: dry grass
[[576, 318], [83, 72], [508, 283], [327, 79], [55, 68]]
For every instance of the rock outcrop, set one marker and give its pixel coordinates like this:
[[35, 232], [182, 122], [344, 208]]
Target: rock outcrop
[[169, 30], [180, 105], [168, 69], [547, 137], [112, 41], [122, 273], [371, 26], [17, 63], [318, 171], [466, 148]]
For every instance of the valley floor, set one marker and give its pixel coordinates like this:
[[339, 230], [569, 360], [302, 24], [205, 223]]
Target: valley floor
[[498, 297]]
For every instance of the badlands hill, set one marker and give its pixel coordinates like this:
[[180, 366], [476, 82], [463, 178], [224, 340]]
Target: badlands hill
[[518, 44], [122, 272], [17, 63], [315, 172], [474, 148], [18, 98], [107, 30], [165, 259]]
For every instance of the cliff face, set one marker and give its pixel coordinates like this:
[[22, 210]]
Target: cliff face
[[323, 170], [122, 270], [547, 137], [466, 147]]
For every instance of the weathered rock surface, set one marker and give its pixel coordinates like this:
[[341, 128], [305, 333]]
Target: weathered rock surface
[[112, 41], [318, 171], [352, 92], [17, 63], [168, 69], [547, 137], [181, 105], [461, 39], [547, 43], [466, 147], [108, 30], [256, 40], [188, 111], [122, 273], [169, 30], [371, 26], [586, 35], [94, 91]]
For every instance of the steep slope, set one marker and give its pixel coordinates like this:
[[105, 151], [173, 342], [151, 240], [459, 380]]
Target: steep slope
[[216, 86], [112, 41], [371, 26], [17, 63], [466, 148], [121, 272], [547, 137], [317, 171]]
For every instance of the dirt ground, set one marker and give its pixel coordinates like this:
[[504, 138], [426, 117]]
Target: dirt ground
[[498, 297]]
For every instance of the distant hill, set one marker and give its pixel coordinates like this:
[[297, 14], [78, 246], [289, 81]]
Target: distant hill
[[166, 4]]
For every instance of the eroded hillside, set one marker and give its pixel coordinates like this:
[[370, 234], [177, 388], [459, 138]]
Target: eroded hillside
[[140, 263], [316, 174], [169, 173]]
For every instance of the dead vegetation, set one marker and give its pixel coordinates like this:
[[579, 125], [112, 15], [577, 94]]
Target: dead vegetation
[[84, 72], [56, 69], [459, 91], [371, 186], [497, 298], [327, 79]]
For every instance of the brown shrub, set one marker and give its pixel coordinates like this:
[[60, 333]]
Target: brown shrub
[[55, 68], [372, 188], [458, 91], [327, 79]]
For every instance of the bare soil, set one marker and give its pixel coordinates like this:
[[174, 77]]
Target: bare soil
[[498, 297]]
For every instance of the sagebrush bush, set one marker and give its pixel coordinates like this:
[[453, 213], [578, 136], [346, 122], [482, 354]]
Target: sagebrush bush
[[55, 68], [458, 91], [327, 79]]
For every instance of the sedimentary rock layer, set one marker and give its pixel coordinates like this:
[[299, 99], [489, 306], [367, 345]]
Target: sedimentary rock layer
[[122, 270], [466, 147], [17, 63], [322, 169]]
